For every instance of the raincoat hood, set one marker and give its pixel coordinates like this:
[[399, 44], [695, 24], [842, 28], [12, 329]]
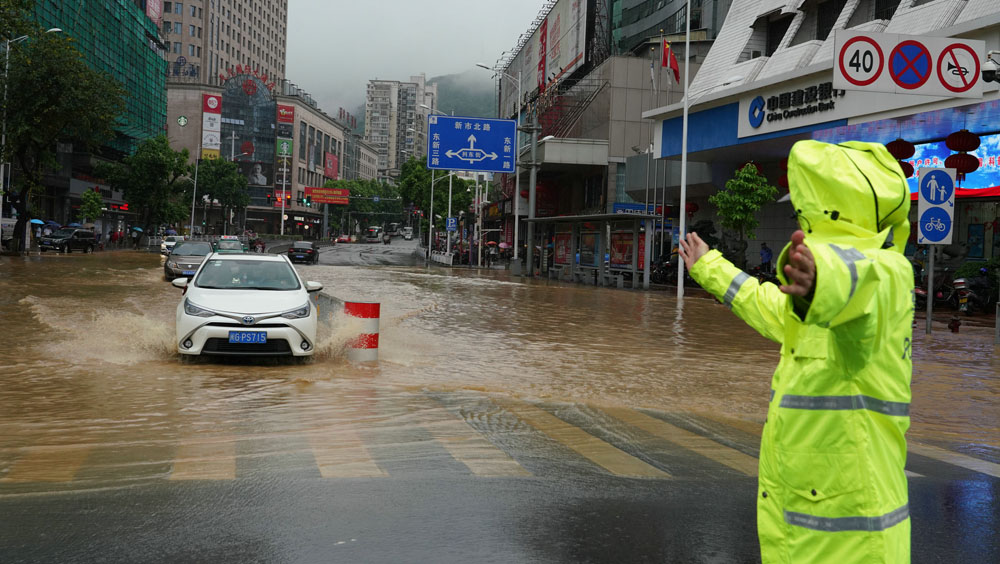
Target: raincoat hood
[[852, 188]]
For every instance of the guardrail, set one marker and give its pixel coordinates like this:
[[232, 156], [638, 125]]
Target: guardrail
[[443, 258]]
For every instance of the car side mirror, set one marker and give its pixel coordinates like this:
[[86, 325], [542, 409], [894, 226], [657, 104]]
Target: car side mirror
[[180, 282], [313, 287]]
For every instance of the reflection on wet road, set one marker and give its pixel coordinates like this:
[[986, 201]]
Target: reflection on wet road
[[481, 378]]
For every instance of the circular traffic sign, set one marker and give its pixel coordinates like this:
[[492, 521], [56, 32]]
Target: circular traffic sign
[[861, 60], [958, 67], [934, 224], [910, 64], [936, 187]]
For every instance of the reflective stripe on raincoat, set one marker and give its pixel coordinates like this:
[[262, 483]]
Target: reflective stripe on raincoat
[[832, 487]]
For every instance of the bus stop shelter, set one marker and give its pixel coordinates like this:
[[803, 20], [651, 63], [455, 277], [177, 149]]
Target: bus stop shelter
[[600, 248]]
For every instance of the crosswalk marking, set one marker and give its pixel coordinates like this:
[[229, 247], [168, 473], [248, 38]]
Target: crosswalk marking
[[206, 459], [686, 439], [47, 464], [480, 456], [955, 459], [606, 456], [341, 453]]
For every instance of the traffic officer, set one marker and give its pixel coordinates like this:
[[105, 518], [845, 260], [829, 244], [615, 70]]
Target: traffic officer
[[832, 486]]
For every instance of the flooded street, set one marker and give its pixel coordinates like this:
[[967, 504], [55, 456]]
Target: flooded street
[[480, 374]]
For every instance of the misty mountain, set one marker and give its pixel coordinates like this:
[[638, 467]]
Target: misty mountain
[[471, 93]]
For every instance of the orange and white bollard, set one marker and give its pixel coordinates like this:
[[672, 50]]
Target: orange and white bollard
[[364, 348]]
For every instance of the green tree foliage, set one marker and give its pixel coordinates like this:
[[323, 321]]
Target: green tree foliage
[[415, 188], [52, 97], [363, 209], [92, 206], [742, 198], [220, 180], [156, 182]]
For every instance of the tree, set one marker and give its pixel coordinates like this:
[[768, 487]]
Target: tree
[[220, 180], [739, 203], [155, 181], [415, 186], [52, 97], [92, 206]]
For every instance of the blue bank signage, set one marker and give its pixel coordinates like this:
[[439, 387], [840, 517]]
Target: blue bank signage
[[473, 144]]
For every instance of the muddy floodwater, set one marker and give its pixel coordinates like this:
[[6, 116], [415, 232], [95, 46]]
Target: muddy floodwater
[[89, 357]]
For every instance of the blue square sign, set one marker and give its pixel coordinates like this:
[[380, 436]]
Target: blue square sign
[[452, 224], [473, 144]]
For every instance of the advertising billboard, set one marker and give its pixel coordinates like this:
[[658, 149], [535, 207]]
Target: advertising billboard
[[286, 114], [257, 173], [933, 155], [211, 126], [555, 48], [154, 11], [328, 195], [330, 166]]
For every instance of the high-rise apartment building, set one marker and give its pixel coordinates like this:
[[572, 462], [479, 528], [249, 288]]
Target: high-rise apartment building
[[396, 121], [207, 38]]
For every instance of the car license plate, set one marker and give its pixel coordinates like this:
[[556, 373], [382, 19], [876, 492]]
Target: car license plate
[[46, 242], [188, 273], [963, 300], [253, 337], [300, 256]]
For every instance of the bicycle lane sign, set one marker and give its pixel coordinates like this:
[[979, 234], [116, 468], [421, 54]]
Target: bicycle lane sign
[[936, 206]]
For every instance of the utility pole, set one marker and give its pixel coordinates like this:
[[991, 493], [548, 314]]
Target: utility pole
[[532, 182]]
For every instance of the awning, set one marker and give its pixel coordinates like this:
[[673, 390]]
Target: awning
[[960, 193], [592, 217]]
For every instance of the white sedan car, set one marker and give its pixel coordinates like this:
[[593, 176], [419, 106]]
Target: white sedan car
[[246, 305]]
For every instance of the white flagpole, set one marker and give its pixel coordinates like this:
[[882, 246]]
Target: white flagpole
[[684, 149]]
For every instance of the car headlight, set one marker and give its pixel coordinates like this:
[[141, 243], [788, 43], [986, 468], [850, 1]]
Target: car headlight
[[298, 313], [191, 309]]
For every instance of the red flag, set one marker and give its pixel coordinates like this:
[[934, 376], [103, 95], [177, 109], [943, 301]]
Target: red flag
[[669, 60]]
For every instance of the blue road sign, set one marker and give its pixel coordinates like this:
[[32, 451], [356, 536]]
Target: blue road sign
[[452, 224], [375, 199], [935, 225], [474, 144], [910, 64], [936, 187]]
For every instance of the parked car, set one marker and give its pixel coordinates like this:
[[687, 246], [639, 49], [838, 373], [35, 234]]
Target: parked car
[[246, 305], [168, 243], [407, 233], [185, 258], [345, 238], [303, 251], [69, 239]]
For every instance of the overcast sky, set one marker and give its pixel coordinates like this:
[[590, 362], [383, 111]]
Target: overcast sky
[[335, 48]]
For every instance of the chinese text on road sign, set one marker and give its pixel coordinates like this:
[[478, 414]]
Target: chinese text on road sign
[[475, 144], [936, 207]]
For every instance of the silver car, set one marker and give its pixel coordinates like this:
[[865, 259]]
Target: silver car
[[185, 258]]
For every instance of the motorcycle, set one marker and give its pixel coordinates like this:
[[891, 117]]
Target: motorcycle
[[974, 293], [944, 293], [386, 238], [764, 276]]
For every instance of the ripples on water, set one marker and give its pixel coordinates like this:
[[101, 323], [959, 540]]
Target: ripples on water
[[89, 355]]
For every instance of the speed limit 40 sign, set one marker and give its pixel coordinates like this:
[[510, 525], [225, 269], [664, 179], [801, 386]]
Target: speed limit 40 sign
[[903, 64]]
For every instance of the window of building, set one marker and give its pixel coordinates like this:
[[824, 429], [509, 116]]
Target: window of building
[[194, 10], [191, 30], [826, 16], [776, 30], [884, 9], [178, 8], [167, 26], [177, 47], [190, 50], [178, 28], [168, 7], [302, 140]]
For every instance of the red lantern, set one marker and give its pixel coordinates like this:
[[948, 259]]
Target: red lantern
[[524, 193], [907, 168], [963, 163], [963, 140], [691, 208], [901, 149]]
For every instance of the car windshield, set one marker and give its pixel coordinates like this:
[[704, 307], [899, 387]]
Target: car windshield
[[229, 245], [302, 245], [192, 249], [63, 233], [173, 239], [247, 274]]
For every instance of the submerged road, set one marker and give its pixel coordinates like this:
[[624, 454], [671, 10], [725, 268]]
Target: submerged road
[[506, 422]]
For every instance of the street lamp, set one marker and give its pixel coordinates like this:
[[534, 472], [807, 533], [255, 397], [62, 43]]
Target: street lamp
[[4, 170], [517, 171]]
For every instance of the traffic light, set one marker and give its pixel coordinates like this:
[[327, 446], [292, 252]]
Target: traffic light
[[309, 201], [269, 198]]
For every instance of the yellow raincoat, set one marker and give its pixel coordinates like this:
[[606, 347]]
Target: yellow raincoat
[[832, 487]]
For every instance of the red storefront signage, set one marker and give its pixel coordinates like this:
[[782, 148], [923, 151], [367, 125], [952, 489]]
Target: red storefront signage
[[211, 104], [336, 196], [286, 114], [562, 248], [330, 166]]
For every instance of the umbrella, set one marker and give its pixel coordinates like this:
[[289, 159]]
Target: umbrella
[[504, 245], [139, 229], [37, 222], [171, 232], [74, 224], [488, 243], [50, 222]]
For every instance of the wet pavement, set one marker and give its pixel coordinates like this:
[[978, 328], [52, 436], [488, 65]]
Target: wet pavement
[[507, 421]]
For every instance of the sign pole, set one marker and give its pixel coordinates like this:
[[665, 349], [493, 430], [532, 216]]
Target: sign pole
[[430, 220], [930, 287], [284, 187]]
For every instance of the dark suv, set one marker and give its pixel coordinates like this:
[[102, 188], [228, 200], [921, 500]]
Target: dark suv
[[68, 240]]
